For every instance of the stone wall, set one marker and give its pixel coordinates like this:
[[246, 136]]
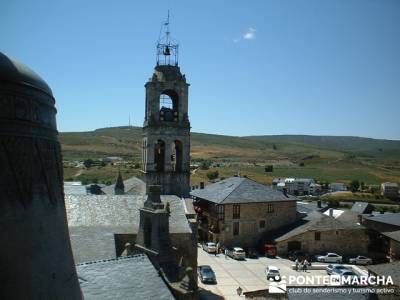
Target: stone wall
[[342, 242], [251, 214]]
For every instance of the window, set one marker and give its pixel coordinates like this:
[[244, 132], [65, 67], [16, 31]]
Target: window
[[262, 224], [317, 236], [236, 211], [220, 212], [236, 228], [270, 208]]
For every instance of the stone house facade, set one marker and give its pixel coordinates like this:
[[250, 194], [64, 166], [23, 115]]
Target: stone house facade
[[318, 233], [240, 212]]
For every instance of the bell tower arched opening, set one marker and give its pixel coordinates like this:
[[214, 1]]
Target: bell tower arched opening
[[169, 106], [176, 157]]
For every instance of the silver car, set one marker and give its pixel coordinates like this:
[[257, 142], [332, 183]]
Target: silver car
[[210, 247], [334, 269], [360, 260], [236, 253], [330, 258]]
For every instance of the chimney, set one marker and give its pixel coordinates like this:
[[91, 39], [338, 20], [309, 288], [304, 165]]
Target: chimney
[[153, 195], [202, 185], [331, 212]]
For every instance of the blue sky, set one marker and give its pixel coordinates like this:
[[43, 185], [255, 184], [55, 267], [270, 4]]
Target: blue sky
[[255, 67]]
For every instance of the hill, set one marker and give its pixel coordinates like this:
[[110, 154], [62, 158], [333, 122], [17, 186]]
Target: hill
[[326, 158]]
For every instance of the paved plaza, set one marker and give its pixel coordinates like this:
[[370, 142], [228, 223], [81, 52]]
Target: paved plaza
[[248, 274]]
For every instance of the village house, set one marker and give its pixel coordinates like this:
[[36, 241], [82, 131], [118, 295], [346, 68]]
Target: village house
[[390, 189], [319, 232], [337, 187], [297, 186], [386, 229], [239, 211]]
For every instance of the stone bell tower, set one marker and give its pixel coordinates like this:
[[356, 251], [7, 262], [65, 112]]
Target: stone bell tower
[[166, 128]]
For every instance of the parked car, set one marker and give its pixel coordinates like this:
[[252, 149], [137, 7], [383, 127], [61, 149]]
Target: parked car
[[360, 260], [210, 247], [333, 269], [348, 274], [331, 258], [270, 250], [272, 272], [236, 253], [252, 253], [206, 274]]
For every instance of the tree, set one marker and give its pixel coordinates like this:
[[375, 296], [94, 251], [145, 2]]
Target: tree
[[211, 175], [354, 185], [88, 163], [301, 164], [274, 147], [269, 168], [205, 164]]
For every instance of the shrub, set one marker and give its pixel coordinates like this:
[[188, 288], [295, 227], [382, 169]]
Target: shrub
[[88, 163], [211, 175], [354, 185], [269, 168]]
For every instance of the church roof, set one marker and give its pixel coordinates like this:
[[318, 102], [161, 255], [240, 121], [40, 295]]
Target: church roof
[[133, 186], [240, 190], [132, 277], [13, 71], [94, 219]]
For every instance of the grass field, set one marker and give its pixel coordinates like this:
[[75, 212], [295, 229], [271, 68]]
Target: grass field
[[326, 159]]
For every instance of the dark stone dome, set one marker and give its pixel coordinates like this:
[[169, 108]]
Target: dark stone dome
[[16, 72]]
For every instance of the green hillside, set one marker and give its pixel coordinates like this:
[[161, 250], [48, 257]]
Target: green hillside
[[326, 158]]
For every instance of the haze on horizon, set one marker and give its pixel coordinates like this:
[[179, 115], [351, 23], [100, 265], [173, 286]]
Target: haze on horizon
[[255, 68]]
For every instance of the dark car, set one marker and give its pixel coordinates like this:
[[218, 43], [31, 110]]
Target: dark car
[[206, 274], [252, 253]]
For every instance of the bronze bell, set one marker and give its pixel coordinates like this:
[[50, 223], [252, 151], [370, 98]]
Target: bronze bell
[[167, 51]]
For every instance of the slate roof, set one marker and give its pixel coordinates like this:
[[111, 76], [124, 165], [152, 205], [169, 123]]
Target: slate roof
[[240, 190], [392, 269], [94, 219], [394, 235], [131, 277], [316, 221], [360, 207], [74, 188], [307, 207], [133, 186], [387, 218]]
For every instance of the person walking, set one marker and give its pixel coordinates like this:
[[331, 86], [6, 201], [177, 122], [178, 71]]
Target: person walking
[[226, 253], [305, 265], [296, 264]]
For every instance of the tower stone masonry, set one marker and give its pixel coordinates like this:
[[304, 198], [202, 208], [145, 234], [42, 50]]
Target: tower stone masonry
[[166, 131]]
